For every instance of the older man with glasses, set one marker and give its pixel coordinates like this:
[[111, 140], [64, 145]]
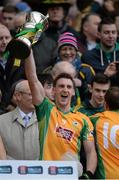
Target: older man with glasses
[[19, 128]]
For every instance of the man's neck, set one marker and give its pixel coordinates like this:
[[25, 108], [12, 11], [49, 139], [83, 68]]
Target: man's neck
[[93, 104], [56, 24], [91, 39], [64, 109], [26, 111], [106, 48], [1, 56]]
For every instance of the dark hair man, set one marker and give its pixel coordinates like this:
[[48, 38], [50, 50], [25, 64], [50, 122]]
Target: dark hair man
[[60, 127], [98, 88], [107, 50], [107, 136]]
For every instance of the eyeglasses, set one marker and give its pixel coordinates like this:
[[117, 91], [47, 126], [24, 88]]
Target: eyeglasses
[[22, 92]]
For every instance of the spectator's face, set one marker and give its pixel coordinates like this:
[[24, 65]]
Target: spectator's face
[[8, 20], [24, 99], [19, 21], [67, 53], [91, 26], [109, 5], [5, 37], [108, 35], [98, 92], [48, 88], [63, 92], [56, 14]]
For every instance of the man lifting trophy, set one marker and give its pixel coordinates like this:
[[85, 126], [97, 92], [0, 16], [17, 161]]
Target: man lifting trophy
[[29, 34]]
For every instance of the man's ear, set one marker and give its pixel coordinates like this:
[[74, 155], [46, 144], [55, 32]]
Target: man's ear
[[53, 91], [98, 35], [90, 88], [73, 92], [86, 26]]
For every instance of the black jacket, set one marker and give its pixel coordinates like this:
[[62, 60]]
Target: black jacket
[[14, 71]]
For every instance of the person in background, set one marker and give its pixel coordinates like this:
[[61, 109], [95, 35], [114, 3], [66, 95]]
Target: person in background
[[95, 103], [68, 51], [72, 15], [46, 80], [89, 32], [11, 69], [63, 67], [107, 50], [98, 88], [116, 18], [23, 7], [11, 2], [104, 9], [19, 21], [5, 38], [112, 71], [8, 15], [19, 128], [57, 10], [107, 137]]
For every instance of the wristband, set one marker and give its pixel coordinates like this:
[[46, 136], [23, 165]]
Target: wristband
[[87, 175]]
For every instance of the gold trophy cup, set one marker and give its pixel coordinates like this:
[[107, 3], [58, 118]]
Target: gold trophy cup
[[29, 34]]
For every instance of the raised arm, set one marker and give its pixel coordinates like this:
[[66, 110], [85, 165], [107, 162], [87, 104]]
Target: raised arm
[[36, 87]]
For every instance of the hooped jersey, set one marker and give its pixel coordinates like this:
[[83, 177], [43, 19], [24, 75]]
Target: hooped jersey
[[106, 125], [61, 133]]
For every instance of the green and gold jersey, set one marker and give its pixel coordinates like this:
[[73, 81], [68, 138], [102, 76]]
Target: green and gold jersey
[[60, 132], [106, 126]]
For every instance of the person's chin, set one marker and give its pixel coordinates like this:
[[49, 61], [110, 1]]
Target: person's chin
[[100, 103], [63, 103]]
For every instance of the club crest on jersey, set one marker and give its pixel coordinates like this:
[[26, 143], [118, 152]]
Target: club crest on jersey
[[75, 123], [64, 133]]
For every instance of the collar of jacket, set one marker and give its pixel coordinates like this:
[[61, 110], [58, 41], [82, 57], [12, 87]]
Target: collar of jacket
[[98, 46]]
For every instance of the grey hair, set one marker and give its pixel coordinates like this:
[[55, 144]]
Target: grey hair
[[20, 85], [59, 66]]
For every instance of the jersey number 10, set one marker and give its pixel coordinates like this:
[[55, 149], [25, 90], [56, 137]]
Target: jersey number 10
[[110, 136]]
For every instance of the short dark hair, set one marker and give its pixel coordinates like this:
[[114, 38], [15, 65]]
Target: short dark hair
[[10, 9], [112, 98], [105, 21], [100, 78], [45, 77], [63, 75]]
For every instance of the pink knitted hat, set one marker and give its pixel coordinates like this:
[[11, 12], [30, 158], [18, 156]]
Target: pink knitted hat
[[67, 38]]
